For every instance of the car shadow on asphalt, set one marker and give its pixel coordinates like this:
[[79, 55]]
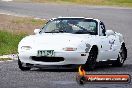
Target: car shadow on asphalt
[[54, 70], [103, 68], [109, 68]]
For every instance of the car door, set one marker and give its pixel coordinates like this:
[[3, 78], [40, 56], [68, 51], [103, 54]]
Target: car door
[[114, 47], [107, 44], [109, 47]]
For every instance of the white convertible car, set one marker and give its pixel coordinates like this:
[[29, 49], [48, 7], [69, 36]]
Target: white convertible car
[[69, 42]]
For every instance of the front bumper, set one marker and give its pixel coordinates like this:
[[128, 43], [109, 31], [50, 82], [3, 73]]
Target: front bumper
[[70, 57]]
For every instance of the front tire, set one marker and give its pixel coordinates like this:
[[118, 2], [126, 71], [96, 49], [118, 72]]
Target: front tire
[[23, 68], [91, 61], [121, 57]]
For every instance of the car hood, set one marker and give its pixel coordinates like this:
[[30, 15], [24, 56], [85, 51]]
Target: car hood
[[52, 40]]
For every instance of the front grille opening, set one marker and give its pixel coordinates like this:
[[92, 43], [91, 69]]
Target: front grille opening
[[47, 59]]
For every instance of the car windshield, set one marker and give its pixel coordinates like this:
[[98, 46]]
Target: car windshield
[[75, 26]]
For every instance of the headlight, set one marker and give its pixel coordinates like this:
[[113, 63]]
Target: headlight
[[69, 49], [26, 47]]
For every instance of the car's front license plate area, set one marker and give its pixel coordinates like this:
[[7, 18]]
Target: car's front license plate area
[[48, 53]]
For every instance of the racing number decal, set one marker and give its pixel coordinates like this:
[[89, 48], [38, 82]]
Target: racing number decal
[[111, 42]]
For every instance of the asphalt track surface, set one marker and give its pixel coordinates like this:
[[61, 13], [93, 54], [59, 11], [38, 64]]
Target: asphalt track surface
[[117, 19]]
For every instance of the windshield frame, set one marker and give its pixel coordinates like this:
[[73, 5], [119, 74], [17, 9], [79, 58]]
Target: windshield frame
[[92, 20]]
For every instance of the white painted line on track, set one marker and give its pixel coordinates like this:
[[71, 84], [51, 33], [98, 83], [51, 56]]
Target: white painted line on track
[[7, 0], [6, 61], [18, 15], [12, 14], [11, 56]]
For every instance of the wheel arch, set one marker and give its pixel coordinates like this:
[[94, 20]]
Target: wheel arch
[[123, 45], [94, 47], [91, 63]]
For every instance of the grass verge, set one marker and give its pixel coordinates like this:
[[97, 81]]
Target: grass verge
[[13, 29], [124, 3], [9, 42]]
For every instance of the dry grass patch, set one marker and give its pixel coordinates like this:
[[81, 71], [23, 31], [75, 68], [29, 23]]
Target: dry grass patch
[[20, 24], [5, 59]]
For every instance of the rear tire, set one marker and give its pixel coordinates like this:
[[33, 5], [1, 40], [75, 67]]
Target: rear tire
[[23, 68], [121, 57], [91, 61]]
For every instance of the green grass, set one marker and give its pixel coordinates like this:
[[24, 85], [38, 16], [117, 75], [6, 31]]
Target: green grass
[[9, 42], [126, 3]]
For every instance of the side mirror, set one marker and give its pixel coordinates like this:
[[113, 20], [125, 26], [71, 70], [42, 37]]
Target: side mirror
[[36, 31], [109, 32]]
